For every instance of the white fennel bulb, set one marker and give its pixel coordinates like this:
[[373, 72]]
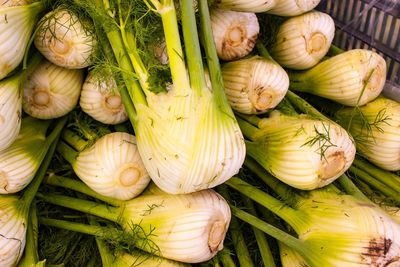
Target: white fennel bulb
[[20, 161], [254, 85], [16, 27], [376, 131], [51, 91], [290, 8], [101, 99], [66, 40], [111, 167], [256, 6], [190, 228], [300, 151], [9, 3], [352, 78], [10, 111], [302, 41], [235, 33], [12, 230]]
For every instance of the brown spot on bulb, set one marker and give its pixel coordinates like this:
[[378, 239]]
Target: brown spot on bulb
[[235, 35], [59, 47], [41, 98], [216, 236], [113, 102], [332, 164], [128, 175], [3, 180], [316, 43]]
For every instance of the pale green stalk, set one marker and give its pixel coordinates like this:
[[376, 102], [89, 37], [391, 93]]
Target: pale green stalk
[[238, 240], [80, 187]]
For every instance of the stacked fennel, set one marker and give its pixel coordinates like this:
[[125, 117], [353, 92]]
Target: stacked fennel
[[139, 133]]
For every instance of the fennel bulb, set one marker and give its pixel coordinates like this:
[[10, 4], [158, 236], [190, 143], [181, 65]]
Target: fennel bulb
[[300, 151], [51, 91], [186, 227], [65, 39], [111, 167], [302, 41], [10, 111], [20, 161], [334, 229], [376, 131], [16, 28], [254, 85], [234, 33], [255, 6], [101, 99], [290, 8], [352, 78]]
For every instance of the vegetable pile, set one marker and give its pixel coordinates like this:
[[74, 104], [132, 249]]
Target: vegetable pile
[[204, 133]]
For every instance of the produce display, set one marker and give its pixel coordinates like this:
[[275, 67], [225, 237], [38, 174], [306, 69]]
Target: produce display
[[193, 133]]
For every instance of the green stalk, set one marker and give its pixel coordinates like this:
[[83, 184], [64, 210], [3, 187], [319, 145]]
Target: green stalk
[[388, 178], [192, 47], [31, 256], [248, 129], [212, 59], [284, 191], [107, 258], [109, 55], [264, 52], [238, 240], [303, 106], [334, 50], [100, 210], [80, 187], [68, 153], [253, 119], [74, 226], [74, 140], [262, 242], [351, 188], [33, 187], [225, 258], [361, 174], [276, 233], [286, 108], [174, 48], [33, 63], [137, 63], [128, 73], [287, 213]]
